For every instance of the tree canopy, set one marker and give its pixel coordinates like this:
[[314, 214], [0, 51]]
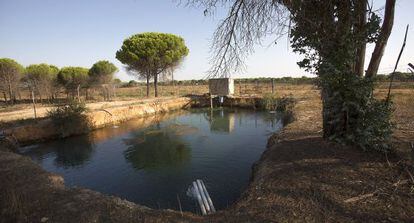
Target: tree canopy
[[41, 77], [150, 54], [42, 71], [102, 72], [71, 77]]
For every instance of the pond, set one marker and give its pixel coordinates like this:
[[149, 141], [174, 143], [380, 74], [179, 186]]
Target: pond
[[152, 161]]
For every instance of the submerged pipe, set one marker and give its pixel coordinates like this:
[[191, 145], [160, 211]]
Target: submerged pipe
[[210, 202], [203, 196], [198, 196]]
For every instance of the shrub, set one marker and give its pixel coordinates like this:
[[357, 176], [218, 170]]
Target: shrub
[[282, 104], [357, 118], [70, 118]]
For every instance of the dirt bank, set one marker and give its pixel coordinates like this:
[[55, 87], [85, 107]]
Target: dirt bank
[[299, 178], [25, 111], [99, 117]]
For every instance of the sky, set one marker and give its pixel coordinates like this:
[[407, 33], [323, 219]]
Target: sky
[[81, 32]]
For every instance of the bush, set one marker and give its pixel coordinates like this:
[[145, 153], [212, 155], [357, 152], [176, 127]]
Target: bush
[[281, 104], [70, 119], [284, 104]]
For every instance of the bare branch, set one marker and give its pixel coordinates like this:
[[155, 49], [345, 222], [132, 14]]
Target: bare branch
[[246, 24]]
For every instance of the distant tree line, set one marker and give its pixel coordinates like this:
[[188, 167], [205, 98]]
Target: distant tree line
[[46, 81], [399, 76]]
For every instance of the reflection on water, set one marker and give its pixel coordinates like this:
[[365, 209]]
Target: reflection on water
[[65, 154], [153, 160], [155, 148], [222, 120]]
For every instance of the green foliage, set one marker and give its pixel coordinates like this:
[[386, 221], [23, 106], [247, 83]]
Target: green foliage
[[131, 83], [283, 104], [151, 54], [329, 34], [325, 32], [72, 77], [10, 66], [102, 72], [273, 103], [41, 71], [41, 77], [70, 119], [152, 51], [355, 117]]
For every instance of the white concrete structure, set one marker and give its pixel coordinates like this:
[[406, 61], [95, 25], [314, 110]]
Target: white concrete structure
[[221, 86]]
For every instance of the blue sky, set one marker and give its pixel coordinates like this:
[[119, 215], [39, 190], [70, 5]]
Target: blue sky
[[81, 32]]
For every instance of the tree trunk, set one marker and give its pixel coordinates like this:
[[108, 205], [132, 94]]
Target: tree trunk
[[10, 93], [361, 7], [5, 97], [34, 104], [173, 83], [382, 39], [148, 85], [78, 89], [156, 85], [40, 96], [327, 126]]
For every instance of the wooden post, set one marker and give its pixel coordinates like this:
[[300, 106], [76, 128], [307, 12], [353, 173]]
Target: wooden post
[[34, 104], [257, 86], [78, 89], [240, 88], [211, 101], [273, 86]]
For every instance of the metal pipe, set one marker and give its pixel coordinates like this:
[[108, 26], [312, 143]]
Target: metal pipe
[[203, 196], [198, 195], [210, 202]]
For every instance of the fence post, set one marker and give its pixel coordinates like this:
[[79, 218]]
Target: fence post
[[273, 86], [34, 105], [240, 88], [257, 86]]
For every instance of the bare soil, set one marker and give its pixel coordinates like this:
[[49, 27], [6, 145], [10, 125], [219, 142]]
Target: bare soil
[[299, 178]]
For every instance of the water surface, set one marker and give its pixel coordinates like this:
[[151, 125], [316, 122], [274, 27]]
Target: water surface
[[153, 161]]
